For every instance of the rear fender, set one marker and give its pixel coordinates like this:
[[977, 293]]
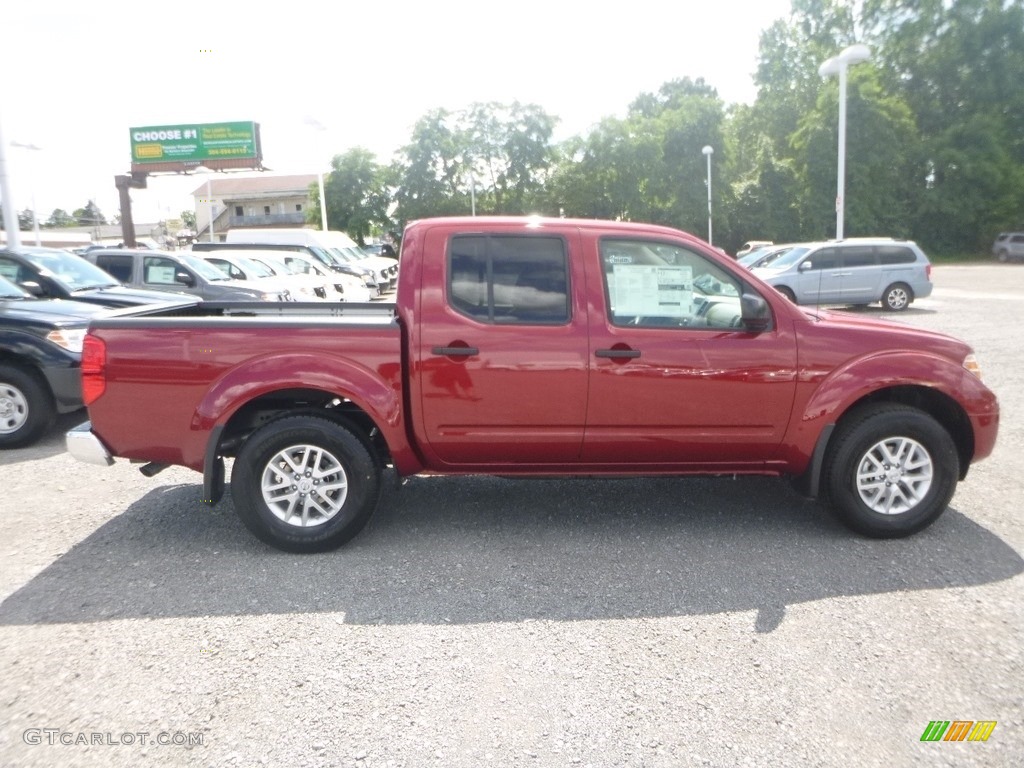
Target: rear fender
[[376, 392]]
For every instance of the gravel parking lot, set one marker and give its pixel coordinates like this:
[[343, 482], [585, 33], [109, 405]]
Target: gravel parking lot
[[485, 621]]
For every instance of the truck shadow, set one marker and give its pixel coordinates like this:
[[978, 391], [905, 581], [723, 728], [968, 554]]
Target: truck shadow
[[483, 549]]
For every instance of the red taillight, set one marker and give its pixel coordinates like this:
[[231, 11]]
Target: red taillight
[[94, 363], [928, 272]]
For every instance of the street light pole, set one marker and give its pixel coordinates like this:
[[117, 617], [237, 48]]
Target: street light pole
[[209, 201], [35, 216], [838, 65], [6, 205], [708, 151]]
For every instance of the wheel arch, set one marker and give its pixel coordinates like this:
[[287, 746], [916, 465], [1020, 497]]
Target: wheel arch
[[944, 409]]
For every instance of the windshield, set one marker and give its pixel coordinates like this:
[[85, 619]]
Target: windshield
[[274, 267], [326, 256], [788, 259], [9, 290], [202, 267], [254, 268], [72, 272]]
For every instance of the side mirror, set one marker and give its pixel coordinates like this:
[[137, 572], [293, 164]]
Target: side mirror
[[185, 279], [33, 287], [755, 313], [804, 266]]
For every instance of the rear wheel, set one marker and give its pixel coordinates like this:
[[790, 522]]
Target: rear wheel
[[1003, 256], [890, 471], [305, 484], [897, 297], [787, 293], [26, 407]]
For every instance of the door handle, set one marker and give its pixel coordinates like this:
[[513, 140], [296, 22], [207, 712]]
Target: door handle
[[617, 353], [455, 351]]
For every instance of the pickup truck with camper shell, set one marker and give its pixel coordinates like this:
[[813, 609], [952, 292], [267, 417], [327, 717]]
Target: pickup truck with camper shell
[[524, 346]]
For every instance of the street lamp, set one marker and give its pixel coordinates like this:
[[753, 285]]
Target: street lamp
[[316, 125], [35, 216], [209, 196], [708, 152], [837, 65]]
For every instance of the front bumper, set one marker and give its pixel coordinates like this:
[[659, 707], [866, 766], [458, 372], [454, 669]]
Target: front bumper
[[85, 446]]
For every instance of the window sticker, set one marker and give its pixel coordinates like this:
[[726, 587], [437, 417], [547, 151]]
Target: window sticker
[[160, 274], [664, 291]]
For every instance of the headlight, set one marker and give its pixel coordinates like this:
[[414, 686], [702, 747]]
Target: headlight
[[972, 365], [367, 281], [67, 338]]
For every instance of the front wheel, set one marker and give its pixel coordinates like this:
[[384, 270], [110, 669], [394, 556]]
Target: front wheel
[[26, 407], [305, 484], [891, 471], [788, 293]]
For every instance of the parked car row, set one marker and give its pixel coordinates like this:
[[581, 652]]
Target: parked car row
[[854, 271], [48, 297]]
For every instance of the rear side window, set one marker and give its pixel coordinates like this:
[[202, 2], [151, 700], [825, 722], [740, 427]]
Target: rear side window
[[118, 266], [509, 279], [858, 256], [895, 254]]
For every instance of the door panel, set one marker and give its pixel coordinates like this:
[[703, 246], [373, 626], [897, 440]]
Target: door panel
[[502, 350], [685, 386]]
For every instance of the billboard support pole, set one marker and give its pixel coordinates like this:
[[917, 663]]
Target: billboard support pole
[[123, 184]]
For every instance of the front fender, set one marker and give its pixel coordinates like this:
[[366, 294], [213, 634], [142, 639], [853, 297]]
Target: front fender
[[855, 380], [839, 390]]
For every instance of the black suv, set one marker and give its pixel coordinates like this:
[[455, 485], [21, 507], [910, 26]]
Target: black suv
[[40, 360]]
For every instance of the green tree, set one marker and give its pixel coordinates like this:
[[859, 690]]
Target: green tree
[[188, 218], [498, 156], [89, 216], [356, 195], [25, 220], [61, 218], [883, 179], [649, 166], [428, 175], [959, 65]]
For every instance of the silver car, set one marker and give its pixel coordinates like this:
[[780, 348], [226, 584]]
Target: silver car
[[856, 271]]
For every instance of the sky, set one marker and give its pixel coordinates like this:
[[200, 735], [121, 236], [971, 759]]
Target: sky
[[77, 76]]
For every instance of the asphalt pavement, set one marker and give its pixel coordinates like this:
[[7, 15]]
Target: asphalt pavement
[[487, 621]]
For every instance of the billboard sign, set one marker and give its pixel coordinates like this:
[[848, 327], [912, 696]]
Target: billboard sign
[[182, 147]]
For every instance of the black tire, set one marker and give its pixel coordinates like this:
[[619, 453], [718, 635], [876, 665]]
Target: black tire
[[788, 293], [305, 517], [897, 297], [1003, 256], [26, 406], [863, 444]]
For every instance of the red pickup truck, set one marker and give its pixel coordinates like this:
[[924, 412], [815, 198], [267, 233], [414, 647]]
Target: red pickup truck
[[531, 346]]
